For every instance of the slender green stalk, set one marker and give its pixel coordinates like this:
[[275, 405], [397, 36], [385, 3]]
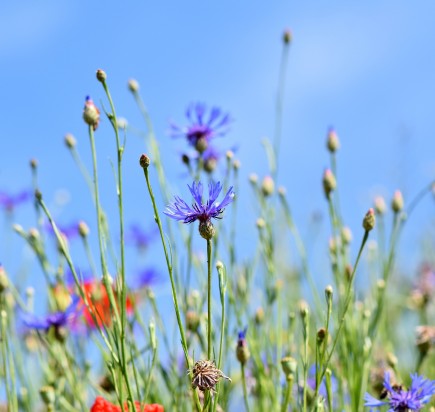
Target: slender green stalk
[[287, 393], [209, 273], [171, 277], [8, 365], [123, 320], [348, 299], [245, 388], [305, 332]]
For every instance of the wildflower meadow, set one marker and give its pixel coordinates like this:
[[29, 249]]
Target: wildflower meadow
[[217, 295]]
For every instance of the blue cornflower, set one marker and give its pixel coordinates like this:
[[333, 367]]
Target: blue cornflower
[[8, 202], [139, 237], [180, 210], [400, 400], [56, 320], [201, 130]]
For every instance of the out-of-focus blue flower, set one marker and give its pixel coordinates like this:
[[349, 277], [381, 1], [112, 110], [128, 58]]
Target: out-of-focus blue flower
[[139, 237], [180, 210], [202, 126], [8, 202], [69, 231], [400, 400], [311, 382], [145, 278], [56, 319]]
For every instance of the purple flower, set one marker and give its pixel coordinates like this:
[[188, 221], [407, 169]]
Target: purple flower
[[145, 278], [69, 231], [8, 202], [180, 210], [400, 400], [57, 319], [138, 237], [202, 127]]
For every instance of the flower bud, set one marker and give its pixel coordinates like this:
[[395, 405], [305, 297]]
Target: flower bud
[[346, 235], [229, 154], [83, 229], [192, 320], [321, 334], [268, 186], [70, 141], [289, 365], [380, 206], [242, 350], [329, 182], [144, 161], [201, 144], [133, 85], [369, 220], [101, 75], [332, 142], [397, 201], [261, 223], [329, 291], [236, 164], [91, 114], [259, 315], [47, 395], [33, 163], [253, 178], [287, 36]]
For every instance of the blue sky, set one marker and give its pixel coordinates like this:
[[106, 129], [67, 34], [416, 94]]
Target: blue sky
[[366, 68]]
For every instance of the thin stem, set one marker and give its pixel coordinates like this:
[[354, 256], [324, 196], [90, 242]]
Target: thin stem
[[171, 277], [209, 342], [245, 388]]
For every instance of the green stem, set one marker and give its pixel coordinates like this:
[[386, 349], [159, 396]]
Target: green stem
[[209, 273], [171, 277], [245, 388]]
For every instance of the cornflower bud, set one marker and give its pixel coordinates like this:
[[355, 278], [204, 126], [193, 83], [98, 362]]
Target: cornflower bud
[[380, 206], [268, 186], [346, 235], [329, 182], [287, 36], [397, 201], [321, 334], [144, 161], [192, 320], [47, 395], [253, 178], [332, 142], [70, 141], [33, 164], [329, 291], [101, 75], [229, 154], [206, 229], [91, 114], [133, 85], [236, 164], [4, 281], [83, 229], [289, 365], [242, 350], [369, 220], [259, 315]]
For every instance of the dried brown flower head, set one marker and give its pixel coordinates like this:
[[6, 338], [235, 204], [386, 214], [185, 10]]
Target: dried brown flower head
[[206, 375]]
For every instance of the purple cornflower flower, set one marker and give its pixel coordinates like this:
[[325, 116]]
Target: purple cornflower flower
[[69, 231], [57, 319], [145, 278], [180, 210], [200, 130], [8, 202], [242, 351], [400, 400], [138, 237]]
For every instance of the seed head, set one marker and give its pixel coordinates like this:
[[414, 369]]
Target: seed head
[[206, 375]]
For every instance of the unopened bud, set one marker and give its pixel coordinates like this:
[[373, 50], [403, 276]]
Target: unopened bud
[[268, 186], [133, 85], [201, 144], [192, 320], [70, 141], [287, 36], [4, 281], [144, 161], [346, 235], [33, 163], [236, 164], [259, 315], [332, 142], [289, 365], [91, 114], [38, 195], [321, 334], [253, 178], [369, 220], [329, 182], [303, 309], [329, 291], [229, 154], [261, 223], [101, 75], [83, 229], [397, 202], [242, 351], [380, 206]]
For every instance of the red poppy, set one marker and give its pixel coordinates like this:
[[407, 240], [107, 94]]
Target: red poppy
[[101, 405], [99, 304]]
